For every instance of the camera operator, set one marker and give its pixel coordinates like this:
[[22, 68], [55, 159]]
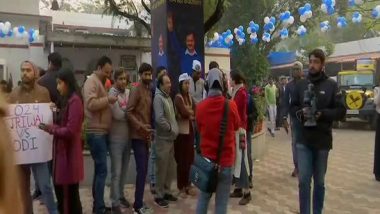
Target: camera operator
[[316, 113]]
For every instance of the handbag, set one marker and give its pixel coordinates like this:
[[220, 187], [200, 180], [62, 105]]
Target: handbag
[[204, 172]]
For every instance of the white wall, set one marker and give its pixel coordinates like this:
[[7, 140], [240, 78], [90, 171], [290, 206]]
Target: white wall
[[14, 57], [221, 56], [20, 6]]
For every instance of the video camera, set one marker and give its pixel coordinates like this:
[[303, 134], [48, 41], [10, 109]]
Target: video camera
[[310, 109]]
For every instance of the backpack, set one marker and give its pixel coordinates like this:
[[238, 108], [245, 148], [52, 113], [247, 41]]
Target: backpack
[[251, 113]]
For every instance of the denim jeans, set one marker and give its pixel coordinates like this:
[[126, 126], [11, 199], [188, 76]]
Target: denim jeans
[[311, 163], [222, 194], [98, 149], [42, 176], [141, 153], [120, 152], [152, 164], [295, 133]]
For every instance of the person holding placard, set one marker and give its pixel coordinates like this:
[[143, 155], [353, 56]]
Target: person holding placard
[[30, 92], [68, 158]]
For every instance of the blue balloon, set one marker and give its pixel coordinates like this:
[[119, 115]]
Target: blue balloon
[[254, 40], [328, 2], [241, 28], [351, 3], [330, 10], [31, 31], [31, 39], [10, 33], [21, 29], [301, 10], [2, 35], [228, 31], [374, 13], [251, 24], [307, 6], [273, 20], [322, 24]]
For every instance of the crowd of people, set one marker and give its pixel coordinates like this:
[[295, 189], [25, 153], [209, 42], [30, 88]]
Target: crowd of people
[[162, 129]]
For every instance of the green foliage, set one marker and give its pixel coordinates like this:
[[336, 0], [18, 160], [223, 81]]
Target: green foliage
[[249, 60], [261, 106]]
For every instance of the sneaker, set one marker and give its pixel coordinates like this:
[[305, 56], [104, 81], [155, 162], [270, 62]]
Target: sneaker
[[182, 193], [125, 202], [116, 210], [161, 202], [250, 184], [106, 210], [246, 199], [170, 197], [237, 193], [36, 195], [142, 210], [191, 191]]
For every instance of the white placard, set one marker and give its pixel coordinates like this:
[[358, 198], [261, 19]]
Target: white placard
[[31, 144]]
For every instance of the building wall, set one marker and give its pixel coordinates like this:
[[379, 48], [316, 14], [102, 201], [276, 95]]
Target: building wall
[[14, 56], [85, 59], [20, 6]]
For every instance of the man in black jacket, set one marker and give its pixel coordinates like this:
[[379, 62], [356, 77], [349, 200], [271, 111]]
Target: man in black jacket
[[297, 74], [315, 140]]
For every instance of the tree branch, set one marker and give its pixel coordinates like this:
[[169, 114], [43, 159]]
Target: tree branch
[[145, 6], [215, 17], [117, 11]]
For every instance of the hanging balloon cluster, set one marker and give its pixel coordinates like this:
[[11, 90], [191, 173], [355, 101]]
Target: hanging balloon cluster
[[341, 22], [253, 29], [305, 12], [376, 12], [269, 27], [328, 6], [240, 35], [18, 32], [325, 26], [353, 3], [286, 19], [356, 17], [225, 40]]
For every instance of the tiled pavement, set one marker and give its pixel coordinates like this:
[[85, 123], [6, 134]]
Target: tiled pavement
[[351, 187]]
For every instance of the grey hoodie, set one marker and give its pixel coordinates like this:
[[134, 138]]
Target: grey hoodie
[[165, 120]]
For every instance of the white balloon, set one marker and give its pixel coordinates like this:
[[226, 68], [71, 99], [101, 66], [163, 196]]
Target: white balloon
[[340, 25], [309, 14], [359, 2], [303, 19], [291, 20], [253, 35], [230, 36], [6, 29], [236, 30], [324, 8], [376, 8], [2, 26], [333, 2], [249, 30], [8, 25], [266, 20]]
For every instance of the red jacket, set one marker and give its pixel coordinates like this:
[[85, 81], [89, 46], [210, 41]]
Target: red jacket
[[68, 145], [241, 100], [208, 118]]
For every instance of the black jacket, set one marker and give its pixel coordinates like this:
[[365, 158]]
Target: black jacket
[[289, 91], [328, 103]]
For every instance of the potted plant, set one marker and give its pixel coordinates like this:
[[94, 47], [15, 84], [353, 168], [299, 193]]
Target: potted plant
[[260, 106]]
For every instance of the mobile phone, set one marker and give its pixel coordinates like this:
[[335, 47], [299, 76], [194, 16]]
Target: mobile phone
[[42, 126]]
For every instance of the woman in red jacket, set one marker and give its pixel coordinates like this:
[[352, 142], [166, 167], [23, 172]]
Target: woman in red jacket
[[68, 145], [241, 174], [209, 114]]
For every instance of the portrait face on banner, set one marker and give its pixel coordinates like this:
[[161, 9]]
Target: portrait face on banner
[[177, 37]]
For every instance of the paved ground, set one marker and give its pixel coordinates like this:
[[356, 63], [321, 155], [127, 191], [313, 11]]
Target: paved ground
[[351, 187]]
